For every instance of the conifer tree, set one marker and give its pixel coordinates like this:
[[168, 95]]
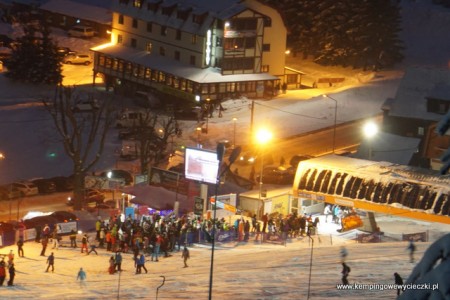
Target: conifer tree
[[34, 59]]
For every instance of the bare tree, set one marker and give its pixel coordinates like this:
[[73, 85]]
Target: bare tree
[[82, 129], [152, 134]]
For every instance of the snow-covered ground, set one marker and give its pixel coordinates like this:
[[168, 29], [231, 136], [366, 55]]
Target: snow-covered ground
[[241, 271]]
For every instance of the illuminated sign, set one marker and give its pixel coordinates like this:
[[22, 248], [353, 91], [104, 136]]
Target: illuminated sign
[[208, 47]]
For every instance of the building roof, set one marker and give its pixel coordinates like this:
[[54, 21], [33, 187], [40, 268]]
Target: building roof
[[79, 10], [418, 84], [389, 147], [161, 63], [211, 10]]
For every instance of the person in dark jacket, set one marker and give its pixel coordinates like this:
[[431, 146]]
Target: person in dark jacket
[[399, 281], [345, 272], [142, 263], [118, 261], [20, 247], [12, 274], [51, 262], [44, 242]]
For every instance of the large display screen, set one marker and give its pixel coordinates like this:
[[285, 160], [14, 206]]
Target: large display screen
[[201, 165]]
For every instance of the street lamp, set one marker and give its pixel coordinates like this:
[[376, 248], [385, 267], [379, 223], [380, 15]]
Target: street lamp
[[234, 132], [335, 118], [263, 136], [370, 129]]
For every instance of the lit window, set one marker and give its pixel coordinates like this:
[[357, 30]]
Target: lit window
[[194, 39], [148, 47]]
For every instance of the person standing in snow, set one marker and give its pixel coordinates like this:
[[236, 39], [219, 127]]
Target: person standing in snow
[[81, 276], [44, 242], [20, 247], [327, 212], [12, 274], [345, 272], [73, 239], [411, 248], [51, 262], [84, 243], [398, 281], [185, 255], [343, 253], [118, 261], [112, 265], [2, 272]]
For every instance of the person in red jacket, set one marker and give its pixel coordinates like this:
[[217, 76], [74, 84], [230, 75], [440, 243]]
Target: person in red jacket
[[2, 272]]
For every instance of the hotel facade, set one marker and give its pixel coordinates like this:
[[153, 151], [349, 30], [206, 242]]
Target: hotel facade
[[194, 49]]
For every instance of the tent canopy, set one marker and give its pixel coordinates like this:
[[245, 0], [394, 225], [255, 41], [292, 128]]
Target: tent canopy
[[157, 197]]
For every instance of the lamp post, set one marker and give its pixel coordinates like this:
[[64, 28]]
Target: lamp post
[[263, 136], [370, 129], [198, 129], [335, 119], [234, 132], [208, 109]]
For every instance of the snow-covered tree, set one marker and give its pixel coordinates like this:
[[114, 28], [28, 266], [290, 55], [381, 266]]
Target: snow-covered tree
[[433, 269], [362, 34]]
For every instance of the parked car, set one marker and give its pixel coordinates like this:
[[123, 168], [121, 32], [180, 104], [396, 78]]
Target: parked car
[[129, 133], [277, 175], [91, 196], [26, 188], [99, 206], [63, 184], [81, 31], [78, 59], [296, 159], [64, 51], [119, 174], [40, 222], [246, 158], [86, 105], [9, 191], [45, 186], [64, 216]]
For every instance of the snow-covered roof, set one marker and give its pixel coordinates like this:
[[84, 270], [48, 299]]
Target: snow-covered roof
[[389, 147], [418, 84], [370, 182], [79, 10], [157, 62], [211, 10]]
